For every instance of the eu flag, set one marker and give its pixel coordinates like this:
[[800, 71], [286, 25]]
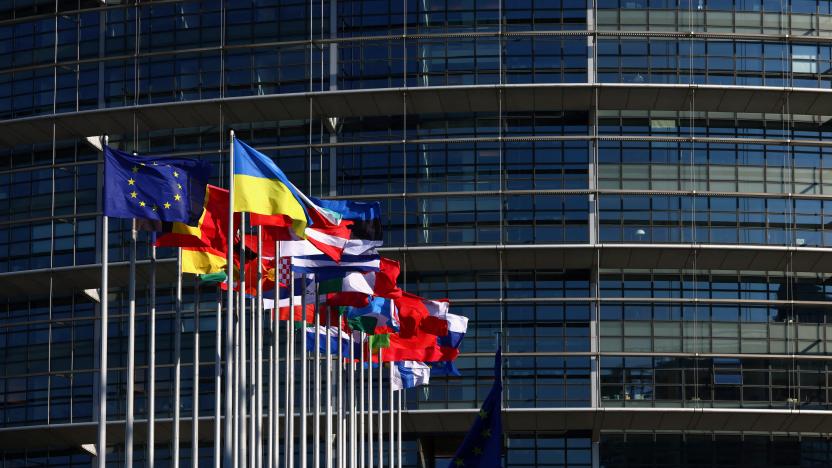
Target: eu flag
[[159, 189], [483, 446]]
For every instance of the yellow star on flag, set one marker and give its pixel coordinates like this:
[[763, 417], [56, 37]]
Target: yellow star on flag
[[179, 186], [177, 197], [133, 194], [459, 462], [477, 451], [486, 433], [135, 169], [155, 207], [141, 203], [483, 414], [131, 181], [175, 174], [167, 205]]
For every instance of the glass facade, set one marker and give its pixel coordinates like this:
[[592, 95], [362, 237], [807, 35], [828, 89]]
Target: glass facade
[[655, 251]]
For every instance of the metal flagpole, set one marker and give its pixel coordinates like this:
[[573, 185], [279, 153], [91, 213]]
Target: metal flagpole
[[361, 413], [131, 350], [399, 430], [243, 389], [391, 427], [228, 446], [252, 381], [370, 406], [380, 411], [290, 378], [352, 404], [151, 365], [316, 422], [195, 415], [218, 383], [304, 374], [276, 362], [340, 395], [177, 359], [258, 413], [328, 353], [101, 446], [237, 382]]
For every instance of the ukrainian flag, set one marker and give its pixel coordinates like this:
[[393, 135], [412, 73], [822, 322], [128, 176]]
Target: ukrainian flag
[[261, 187]]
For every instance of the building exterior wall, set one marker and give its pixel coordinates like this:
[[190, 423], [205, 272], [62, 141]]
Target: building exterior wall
[[635, 194]]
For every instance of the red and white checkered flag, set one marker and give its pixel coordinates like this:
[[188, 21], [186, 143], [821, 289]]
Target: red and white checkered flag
[[284, 270]]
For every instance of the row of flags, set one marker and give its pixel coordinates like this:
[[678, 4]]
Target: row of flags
[[331, 246]]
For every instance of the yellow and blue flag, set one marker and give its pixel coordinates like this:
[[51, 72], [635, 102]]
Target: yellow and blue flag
[[483, 446], [261, 187], [158, 189]]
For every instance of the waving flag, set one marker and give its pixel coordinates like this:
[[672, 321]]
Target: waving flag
[[156, 189], [409, 374], [260, 187], [380, 312], [204, 245], [332, 335]]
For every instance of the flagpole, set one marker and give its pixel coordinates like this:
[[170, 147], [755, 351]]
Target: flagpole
[[370, 406], [352, 404], [236, 385], [131, 351], [101, 446], [316, 422], [329, 428], [228, 452], [252, 381], [218, 383], [399, 429], [290, 379], [258, 463], [243, 390], [361, 403], [151, 365], [380, 410], [340, 397], [276, 360], [195, 415], [177, 359], [304, 375], [392, 427]]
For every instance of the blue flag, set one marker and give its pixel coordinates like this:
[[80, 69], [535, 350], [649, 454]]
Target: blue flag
[[483, 446], [159, 189]]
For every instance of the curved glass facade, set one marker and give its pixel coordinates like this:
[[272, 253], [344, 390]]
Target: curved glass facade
[[637, 194]]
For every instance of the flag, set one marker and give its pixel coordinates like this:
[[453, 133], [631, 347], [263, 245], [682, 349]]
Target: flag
[[155, 189], [379, 341], [417, 347], [205, 245], [457, 326], [365, 224], [444, 369], [377, 283], [409, 374], [331, 334], [380, 312], [483, 446], [418, 313], [325, 267], [323, 237], [261, 187]]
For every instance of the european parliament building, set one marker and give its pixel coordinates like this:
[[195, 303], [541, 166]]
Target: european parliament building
[[636, 193]]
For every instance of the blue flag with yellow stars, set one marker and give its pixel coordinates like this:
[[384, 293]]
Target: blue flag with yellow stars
[[483, 446], [159, 189]]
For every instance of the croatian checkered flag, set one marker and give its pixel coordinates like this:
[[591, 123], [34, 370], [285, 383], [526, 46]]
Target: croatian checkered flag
[[284, 270]]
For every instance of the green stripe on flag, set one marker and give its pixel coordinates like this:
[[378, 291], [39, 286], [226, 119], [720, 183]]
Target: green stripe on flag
[[213, 278], [364, 323], [379, 341]]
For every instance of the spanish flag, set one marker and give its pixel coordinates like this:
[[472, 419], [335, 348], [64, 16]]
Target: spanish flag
[[261, 187], [204, 247]]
